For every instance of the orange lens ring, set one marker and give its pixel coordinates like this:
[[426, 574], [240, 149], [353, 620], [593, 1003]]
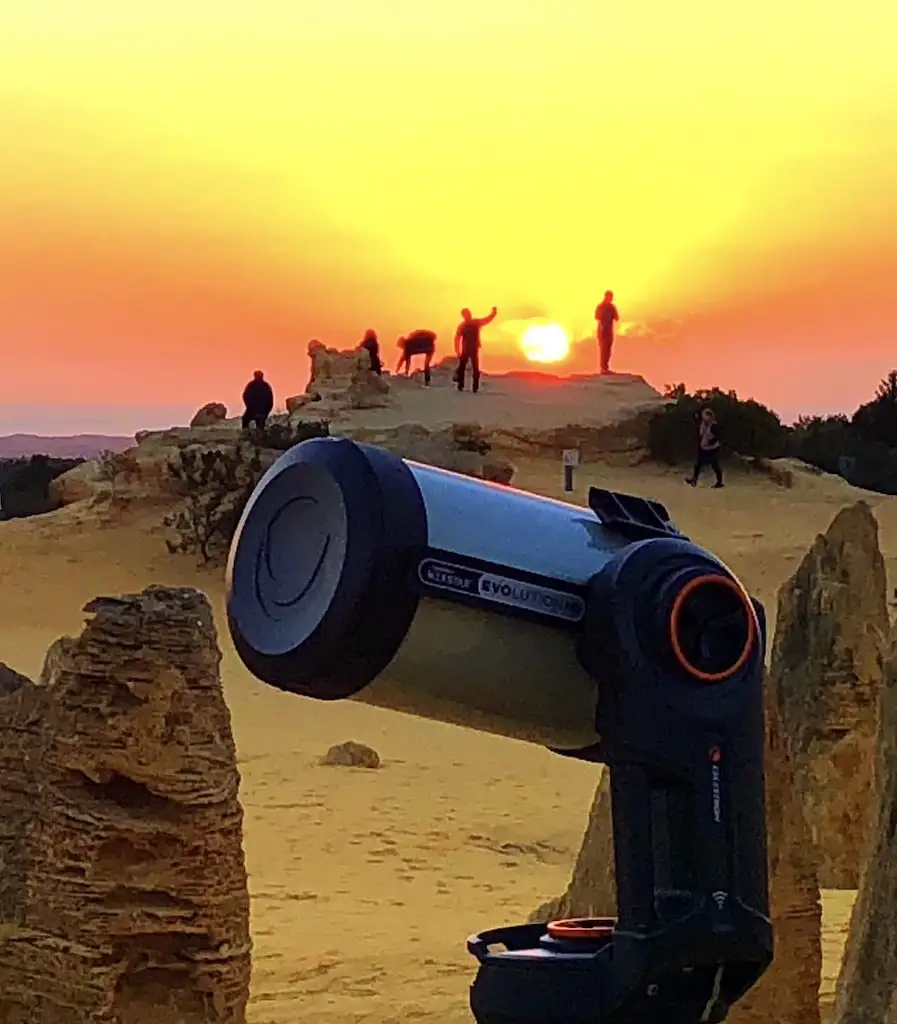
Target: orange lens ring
[[713, 579], [582, 928]]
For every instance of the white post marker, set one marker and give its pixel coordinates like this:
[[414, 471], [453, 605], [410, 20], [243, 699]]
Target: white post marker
[[570, 458]]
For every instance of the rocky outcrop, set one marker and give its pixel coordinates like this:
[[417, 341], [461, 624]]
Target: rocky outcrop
[[827, 661], [345, 379], [624, 443], [789, 991], [209, 415], [123, 892], [458, 447], [867, 987], [143, 473]]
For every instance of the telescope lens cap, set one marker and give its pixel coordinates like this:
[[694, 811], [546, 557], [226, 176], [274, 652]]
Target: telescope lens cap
[[317, 594], [290, 559]]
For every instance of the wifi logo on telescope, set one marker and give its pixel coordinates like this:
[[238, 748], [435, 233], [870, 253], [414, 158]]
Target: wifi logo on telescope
[[719, 898]]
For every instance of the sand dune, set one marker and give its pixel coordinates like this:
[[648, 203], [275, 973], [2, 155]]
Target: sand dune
[[365, 884]]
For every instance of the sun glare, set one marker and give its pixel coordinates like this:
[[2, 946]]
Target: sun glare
[[545, 343]]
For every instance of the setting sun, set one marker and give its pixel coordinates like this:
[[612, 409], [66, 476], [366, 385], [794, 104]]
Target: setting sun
[[545, 343]]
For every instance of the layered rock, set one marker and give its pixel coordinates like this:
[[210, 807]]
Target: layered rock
[[827, 661], [123, 893], [867, 987], [458, 447], [622, 443]]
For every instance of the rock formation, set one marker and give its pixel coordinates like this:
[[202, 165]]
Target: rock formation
[[345, 378], [789, 991], [123, 892], [827, 662], [209, 415], [345, 393], [867, 987]]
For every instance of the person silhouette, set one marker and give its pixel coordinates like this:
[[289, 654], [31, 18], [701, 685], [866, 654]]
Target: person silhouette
[[708, 449], [468, 344], [606, 315], [372, 345], [417, 343], [258, 399]]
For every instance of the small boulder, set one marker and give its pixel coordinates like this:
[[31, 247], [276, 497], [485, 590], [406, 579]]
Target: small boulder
[[498, 470], [296, 403], [351, 755], [209, 415]]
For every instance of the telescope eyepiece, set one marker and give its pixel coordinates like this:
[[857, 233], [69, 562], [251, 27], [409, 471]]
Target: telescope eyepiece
[[712, 628]]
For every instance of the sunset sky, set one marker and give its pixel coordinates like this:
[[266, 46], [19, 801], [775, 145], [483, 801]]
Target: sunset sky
[[192, 189]]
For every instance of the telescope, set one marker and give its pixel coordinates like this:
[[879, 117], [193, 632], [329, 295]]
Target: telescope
[[601, 633]]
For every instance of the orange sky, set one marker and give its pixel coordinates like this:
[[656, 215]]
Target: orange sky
[[191, 189]]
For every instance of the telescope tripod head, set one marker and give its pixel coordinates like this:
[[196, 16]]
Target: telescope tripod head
[[681, 727]]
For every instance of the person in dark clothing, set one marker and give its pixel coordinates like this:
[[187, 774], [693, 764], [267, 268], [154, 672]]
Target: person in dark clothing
[[467, 346], [372, 345], [606, 314], [258, 398], [708, 449], [417, 343]]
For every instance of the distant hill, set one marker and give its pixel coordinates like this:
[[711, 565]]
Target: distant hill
[[78, 446]]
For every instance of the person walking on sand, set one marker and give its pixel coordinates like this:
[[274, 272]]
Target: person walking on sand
[[258, 399], [467, 346], [606, 315], [708, 449]]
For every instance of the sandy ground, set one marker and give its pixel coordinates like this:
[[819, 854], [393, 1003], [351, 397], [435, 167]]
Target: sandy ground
[[365, 884]]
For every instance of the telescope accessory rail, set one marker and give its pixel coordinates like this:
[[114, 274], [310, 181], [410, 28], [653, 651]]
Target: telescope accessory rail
[[684, 749]]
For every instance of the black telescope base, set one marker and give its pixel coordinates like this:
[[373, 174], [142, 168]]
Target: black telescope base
[[569, 977]]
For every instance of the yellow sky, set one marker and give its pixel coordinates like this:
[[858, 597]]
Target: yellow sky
[[480, 151]]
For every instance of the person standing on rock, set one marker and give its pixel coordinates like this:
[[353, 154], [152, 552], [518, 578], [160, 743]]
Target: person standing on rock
[[708, 449], [258, 398], [467, 346], [417, 343], [372, 346], [606, 315]]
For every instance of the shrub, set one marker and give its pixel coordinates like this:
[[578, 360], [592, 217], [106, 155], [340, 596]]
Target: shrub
[[468, 437], [25, 484], [876, 421], [746, 427], [823, 441], [281, 436], [214, 486], [116, 467]]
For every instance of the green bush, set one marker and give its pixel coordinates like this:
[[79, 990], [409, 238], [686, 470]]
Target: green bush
[[861, 448], [283, 436], [875, 422], [745, 427], [468, 437], [25, 484], [214, 486], [823, 442]]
